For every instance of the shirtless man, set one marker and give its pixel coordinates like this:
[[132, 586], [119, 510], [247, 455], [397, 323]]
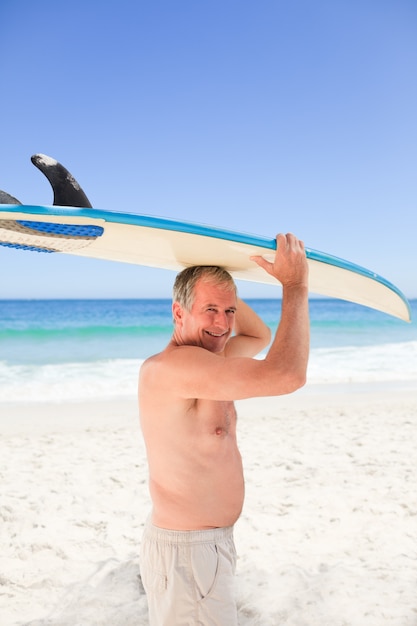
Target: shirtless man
[[188, 420]]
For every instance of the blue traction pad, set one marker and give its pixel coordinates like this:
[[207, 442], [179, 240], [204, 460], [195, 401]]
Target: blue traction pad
[[68, 230], [21, 246]]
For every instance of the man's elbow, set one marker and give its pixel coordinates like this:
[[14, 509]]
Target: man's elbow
[[302, 380], [297, 381]]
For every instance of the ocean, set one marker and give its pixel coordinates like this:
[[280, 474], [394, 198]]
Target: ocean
[[64, 350]]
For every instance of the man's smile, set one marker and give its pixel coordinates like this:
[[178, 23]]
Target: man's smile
[[212, 334]]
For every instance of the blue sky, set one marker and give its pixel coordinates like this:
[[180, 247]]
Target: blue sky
[[260, 117]]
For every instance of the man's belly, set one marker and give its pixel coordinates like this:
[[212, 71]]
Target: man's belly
[[206, 491]]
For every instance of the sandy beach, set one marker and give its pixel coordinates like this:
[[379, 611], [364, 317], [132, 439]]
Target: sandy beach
[[327, 536]]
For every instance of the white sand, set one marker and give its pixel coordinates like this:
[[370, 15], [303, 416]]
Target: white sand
[[327, 536]]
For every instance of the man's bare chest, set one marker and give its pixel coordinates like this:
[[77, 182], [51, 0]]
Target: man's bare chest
[[215, 417]]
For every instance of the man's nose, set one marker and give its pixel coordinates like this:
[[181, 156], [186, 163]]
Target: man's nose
[[221, 319]]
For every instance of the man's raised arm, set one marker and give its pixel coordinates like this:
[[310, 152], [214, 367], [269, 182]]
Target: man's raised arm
[[251, 333], [291, 345]]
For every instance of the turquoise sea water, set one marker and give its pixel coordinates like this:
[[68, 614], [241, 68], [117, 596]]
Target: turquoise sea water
[[63, 349]]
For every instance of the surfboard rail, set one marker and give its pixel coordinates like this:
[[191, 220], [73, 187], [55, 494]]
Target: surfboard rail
[[173, 244]]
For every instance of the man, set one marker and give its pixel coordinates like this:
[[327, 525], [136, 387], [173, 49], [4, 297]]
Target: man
[[188, 420]]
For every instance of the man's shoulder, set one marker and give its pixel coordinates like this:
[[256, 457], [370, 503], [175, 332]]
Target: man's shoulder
[[163, 376], [170, 356]]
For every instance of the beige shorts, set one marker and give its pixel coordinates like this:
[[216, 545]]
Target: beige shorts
[[189, 576]]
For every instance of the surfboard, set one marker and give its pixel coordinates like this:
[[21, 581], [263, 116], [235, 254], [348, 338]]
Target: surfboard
[[172, 244]]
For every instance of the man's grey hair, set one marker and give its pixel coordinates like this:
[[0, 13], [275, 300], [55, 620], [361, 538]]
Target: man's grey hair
[[185, 282]]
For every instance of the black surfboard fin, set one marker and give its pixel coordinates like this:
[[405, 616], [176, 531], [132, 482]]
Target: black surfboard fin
[[6, 198], [67, 192]]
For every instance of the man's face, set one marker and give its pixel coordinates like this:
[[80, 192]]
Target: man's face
[[210, 322]]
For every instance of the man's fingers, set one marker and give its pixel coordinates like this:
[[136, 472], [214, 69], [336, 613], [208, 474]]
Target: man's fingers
[[288, 262], [260, 261], [289, 239]]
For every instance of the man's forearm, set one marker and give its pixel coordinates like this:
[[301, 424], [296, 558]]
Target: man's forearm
[[251, 334], [248, 323], [291, 344]]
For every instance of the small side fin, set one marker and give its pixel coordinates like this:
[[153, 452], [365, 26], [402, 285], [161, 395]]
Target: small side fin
[[6, 198]]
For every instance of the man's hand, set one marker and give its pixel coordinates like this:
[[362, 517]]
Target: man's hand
[[290, 262]]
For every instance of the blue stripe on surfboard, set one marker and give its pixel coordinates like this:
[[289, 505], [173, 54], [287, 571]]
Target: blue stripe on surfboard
[[197, 229]]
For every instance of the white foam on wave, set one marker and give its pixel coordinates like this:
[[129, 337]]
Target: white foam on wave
[[69, 381], [118, 377], [387, 362]]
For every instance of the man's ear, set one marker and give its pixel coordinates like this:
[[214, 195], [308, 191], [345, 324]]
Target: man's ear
[[176, 312]]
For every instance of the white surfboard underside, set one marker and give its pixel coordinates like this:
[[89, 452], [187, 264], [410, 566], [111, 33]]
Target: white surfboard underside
[[173, 249]]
